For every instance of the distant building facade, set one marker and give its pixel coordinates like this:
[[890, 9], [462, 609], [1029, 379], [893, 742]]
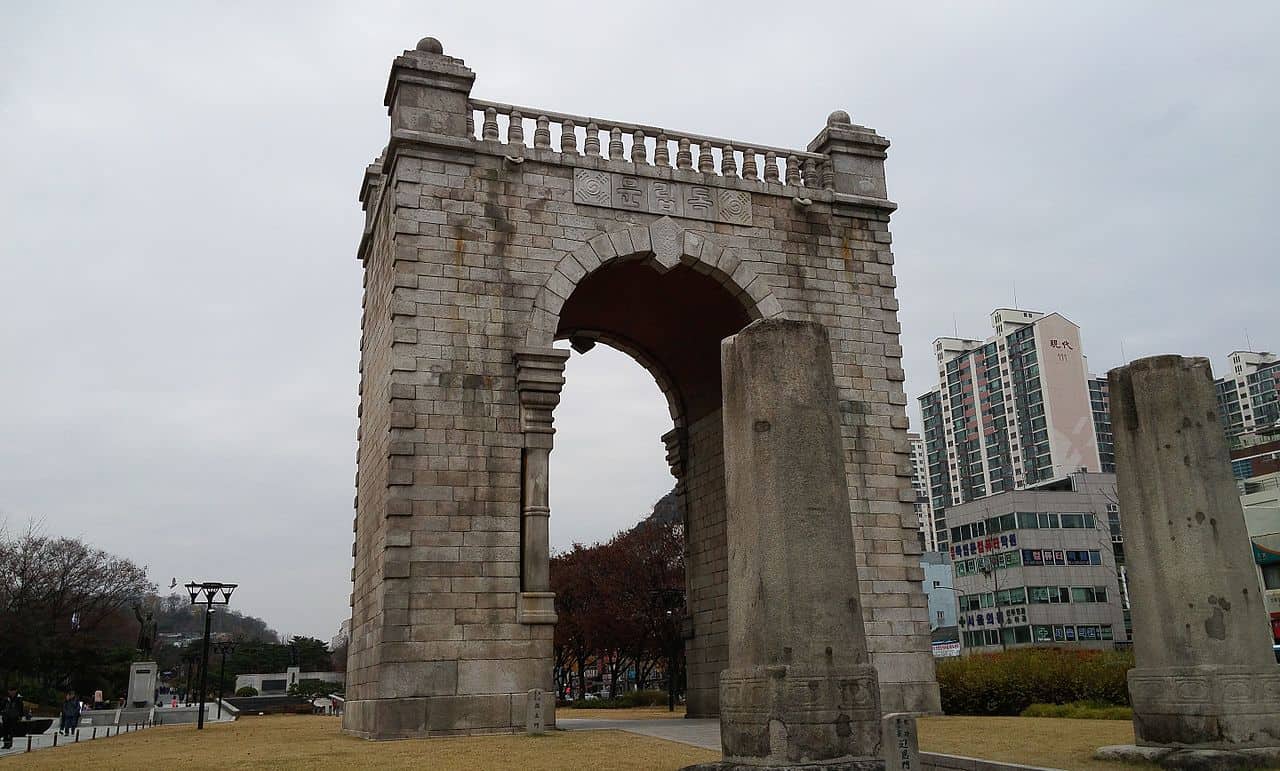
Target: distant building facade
[[277, 683], [1039, 566], [920, 486], [1249, 395], [1011, 411], [938, 588]]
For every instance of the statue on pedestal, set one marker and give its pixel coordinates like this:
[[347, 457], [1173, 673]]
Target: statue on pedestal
[[146, 631]]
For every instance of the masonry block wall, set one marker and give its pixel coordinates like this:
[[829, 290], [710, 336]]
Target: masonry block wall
[[478, 253]]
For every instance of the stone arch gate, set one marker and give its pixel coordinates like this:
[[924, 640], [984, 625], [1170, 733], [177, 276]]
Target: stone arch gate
[[481, 248]]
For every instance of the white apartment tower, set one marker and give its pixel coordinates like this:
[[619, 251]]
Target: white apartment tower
[[920, 486], [1014, 410], [1249, 394]]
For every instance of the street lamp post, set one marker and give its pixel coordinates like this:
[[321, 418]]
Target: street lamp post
[[988, 566], [208, 594], [223, 647]]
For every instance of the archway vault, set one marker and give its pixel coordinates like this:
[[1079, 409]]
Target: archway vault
[[667, 297], [664, 245]]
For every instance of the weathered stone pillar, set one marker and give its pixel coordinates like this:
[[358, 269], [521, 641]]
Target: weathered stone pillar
[[1205, 675], [539, 378], [799, 687]]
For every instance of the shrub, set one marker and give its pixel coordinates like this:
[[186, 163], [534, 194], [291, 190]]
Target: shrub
[[628, 699], [1080, 710], [248, 690], [1009, 682]]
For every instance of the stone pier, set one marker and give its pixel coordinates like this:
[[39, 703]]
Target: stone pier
[[1206, 688], [799, 688]]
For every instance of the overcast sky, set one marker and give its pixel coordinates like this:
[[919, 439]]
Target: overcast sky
[[180, 298]]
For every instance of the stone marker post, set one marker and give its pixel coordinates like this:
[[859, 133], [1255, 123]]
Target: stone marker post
[[534, 723], [799, 688], [1205, 676], [901, 742]]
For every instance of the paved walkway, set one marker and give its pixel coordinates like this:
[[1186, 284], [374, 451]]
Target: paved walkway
[[46, 739], [704, 733]]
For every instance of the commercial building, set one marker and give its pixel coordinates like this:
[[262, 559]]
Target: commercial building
[[1011, 411], [1039, 566], [1260, 499], [1249, 395]]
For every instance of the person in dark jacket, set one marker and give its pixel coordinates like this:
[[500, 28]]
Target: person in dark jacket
[[70, 714], [12, 710]]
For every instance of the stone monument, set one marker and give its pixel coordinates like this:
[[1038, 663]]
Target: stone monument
[[1205, 688], [800, 688], [491, 232]]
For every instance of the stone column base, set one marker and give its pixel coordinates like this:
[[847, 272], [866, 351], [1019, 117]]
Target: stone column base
[[420, 718], [799, 717], [1193, 760], [536, 607], [1206, 707], [834, 765]]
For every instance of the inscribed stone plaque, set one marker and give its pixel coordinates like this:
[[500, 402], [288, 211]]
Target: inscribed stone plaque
[[899, 742], [534, 720], [660, 196]]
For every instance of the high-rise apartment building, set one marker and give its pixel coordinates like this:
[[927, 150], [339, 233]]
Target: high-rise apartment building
[[1249, 395], [1014, 410], [920, 486]]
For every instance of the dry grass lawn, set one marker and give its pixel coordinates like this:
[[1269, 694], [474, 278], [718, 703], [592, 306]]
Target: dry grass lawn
[[309, 742], [306, 742], [1036, 741]]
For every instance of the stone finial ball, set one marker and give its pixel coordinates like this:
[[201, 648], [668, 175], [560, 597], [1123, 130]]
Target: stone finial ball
[[430, 45], [839, 118]]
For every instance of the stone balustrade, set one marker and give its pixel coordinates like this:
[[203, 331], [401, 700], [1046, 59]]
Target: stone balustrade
[[518, 129]]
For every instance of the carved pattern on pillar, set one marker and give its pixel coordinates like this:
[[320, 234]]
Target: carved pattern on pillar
[[539, 378]]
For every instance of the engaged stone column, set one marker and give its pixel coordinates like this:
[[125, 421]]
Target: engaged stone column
[[1205, 674], [799, 688], [539, 378]]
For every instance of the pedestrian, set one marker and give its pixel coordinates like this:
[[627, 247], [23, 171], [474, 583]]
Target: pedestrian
[[98, 700], [12, 710], [70, 714]]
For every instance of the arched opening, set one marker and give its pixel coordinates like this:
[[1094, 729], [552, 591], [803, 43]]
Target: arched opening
[[672, 323]]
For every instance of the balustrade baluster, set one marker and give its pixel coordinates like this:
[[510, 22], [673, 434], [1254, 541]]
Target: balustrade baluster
[[793, 170], [828, 175], [490, 128], [591, 146], [811, 173], [515, 129], [749, 164], [728, 162], [684, 158], [542, 133], [637, 147], [770, 166], [615, 144], [568, 137], [706, 164], [471, 124], [660, 151]]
